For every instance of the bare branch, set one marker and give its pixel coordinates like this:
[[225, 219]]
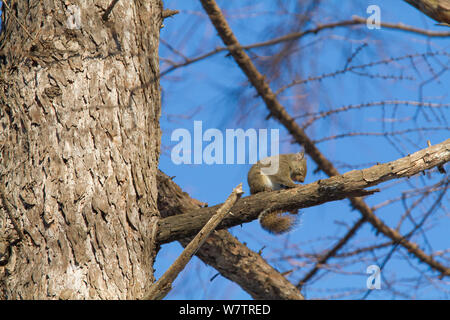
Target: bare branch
[[319, 192], [357, 67], [169, 13], [297, 35], [379, 134], [322, 114]]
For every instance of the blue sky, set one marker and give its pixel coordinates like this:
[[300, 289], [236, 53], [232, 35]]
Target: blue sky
[[211, 91]]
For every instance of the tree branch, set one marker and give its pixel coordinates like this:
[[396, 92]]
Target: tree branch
[[169, 13], [335, 188], [234, 260]]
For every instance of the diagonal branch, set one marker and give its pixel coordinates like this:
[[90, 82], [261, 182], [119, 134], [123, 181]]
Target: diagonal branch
[[331, 253], [160, 289], [280, 113]]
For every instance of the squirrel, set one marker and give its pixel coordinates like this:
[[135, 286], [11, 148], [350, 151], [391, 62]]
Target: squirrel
[[276, 173]]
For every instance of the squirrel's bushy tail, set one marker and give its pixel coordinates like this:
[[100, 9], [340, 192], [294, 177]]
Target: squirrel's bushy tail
[[277, 222]]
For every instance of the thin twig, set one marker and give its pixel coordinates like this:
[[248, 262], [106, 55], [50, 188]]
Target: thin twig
[[297, 35], [379, 134], [363, 66], [322, 114], [169, 13]]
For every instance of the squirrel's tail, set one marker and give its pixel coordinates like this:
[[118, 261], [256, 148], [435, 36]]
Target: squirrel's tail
[[277, 221]]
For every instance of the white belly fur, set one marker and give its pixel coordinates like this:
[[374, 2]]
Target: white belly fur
[[268, 182]]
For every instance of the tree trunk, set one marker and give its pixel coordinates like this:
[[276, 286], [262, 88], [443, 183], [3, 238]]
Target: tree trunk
[[79, 142]]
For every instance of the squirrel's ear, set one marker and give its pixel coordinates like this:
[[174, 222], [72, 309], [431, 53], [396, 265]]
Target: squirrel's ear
[[299, 156]]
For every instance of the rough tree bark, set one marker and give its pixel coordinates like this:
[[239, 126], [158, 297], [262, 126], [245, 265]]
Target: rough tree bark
[[79, 148]]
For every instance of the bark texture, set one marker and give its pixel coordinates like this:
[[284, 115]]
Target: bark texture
[[79, 148]]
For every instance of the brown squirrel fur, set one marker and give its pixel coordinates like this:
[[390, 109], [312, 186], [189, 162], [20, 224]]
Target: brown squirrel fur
[[291, 167]]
